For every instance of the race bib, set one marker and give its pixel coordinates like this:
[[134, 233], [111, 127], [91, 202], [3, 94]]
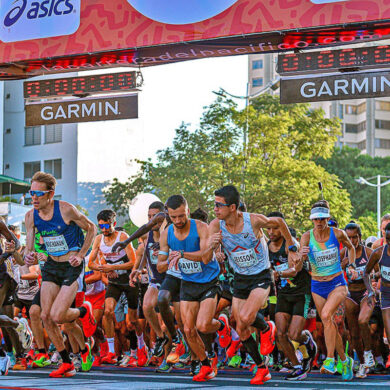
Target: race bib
[[327, 257], [190, 267], [385, 273], [120, 271], [56, 244], [153, 258], [245, 259], [282, 267], [144, 278]]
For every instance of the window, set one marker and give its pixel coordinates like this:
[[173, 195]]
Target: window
[[258, 82], [53, 134], [258, 64], [382, 106], [351, 109], [32, 135], [380, 124], [30, 168], [382, 143], [54, 167], [355, 128], [362, 145]]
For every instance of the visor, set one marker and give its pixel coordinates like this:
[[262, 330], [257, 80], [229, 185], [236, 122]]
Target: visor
[[319, 212]]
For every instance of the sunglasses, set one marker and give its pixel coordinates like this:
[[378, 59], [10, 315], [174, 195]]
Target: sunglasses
[[38, 193], [104, 225], [218, 205], [319, 219]]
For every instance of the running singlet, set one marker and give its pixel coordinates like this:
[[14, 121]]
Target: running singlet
[[192, 271], [27, 289], [92, 288], [59, 238], [154, 275], [384, 265], [360, 263], [247, 254], [324, 257], [116, 258]]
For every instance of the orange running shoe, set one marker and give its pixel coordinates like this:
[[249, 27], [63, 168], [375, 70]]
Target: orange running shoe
[[267, 339], [205, 374], [97, 362], [133, 362], [65, 370], [262, 375], [88, 321], [233, 349], [110, 358], [20, 365], [388, 362], [143, 356], [225, 337], [176, 351]]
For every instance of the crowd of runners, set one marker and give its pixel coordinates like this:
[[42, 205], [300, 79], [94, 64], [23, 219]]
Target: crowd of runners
[[240, 291]]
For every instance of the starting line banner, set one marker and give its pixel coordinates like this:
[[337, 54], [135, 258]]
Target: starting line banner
[[55, 36]]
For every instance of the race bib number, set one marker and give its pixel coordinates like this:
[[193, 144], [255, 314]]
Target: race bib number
[[245, 259], [56, 244], [144, 278], [120, 271], [153, 258], [282, 267], [327, 257], [190, 267], [385, 273]]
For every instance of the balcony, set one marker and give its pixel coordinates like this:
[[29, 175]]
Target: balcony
[[13, 214]]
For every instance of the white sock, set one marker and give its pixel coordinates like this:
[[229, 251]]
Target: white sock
[[234, 334], [140, 340], [111, 344]]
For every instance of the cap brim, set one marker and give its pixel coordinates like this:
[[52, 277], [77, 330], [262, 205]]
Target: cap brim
[[319, 215]]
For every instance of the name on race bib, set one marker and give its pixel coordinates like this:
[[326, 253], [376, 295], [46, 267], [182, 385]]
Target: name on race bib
[[282, 267], [385, 272], [190, 267], [56, 244], [245, 259], [327, 257], [153, 258]]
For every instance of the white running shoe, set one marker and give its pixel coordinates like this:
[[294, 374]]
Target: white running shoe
[[362, 372], [24, 332], [369, 360], [55, 358], [5, 362]]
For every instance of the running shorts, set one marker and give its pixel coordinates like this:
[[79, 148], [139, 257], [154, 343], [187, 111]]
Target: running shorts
[[97, 300], [60, 273], [172, 284], [357, 296], [243, 285], [294, 305], [198, 292], [323, 289], [23, 303], [115, 291]]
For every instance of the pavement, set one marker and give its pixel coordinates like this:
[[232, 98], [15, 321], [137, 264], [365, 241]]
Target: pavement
[[116, 378]]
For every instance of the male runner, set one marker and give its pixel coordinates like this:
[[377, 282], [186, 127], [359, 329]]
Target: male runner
[[243, 240], [187, 239], [60, 225]]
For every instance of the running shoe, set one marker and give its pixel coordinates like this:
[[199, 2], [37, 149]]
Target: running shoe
[[214, 362], [161, 342], [195, 367], [20, 365], [143, 356], [176, 351], [339, 367], [225, 337], [88, 321], [362, 372], [12, 357], [311, 346], [262, 375], [65, 370], [56, 358], [179, 365], [347, 374], [76, 360], [267, 339], [205, 374], [235, 345], [235, 361], [164, 367], [369, 360], [41, 360], [97, 362], [110, 358], [24, 332], [133, 362], [5, 363], [378, 369], [124, 361], [86, 359], [296, 374], [185, 358], [248, 362], [328, 367]]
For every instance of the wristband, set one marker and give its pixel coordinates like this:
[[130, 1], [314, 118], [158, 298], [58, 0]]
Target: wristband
[[163, 253]]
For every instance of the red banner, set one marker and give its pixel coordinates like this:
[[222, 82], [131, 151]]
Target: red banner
[[72, 35]]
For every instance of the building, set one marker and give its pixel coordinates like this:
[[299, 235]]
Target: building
[[365, 122]]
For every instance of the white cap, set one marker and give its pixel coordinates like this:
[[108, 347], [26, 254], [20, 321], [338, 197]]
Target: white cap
[[319, 212], [370, 240]]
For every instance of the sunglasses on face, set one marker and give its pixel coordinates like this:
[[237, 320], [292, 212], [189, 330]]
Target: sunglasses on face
[[218, 205], [38, 193], [319, 219], [104, 225]]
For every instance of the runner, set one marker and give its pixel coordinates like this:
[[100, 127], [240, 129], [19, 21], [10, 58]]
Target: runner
[[381, 241], [357, 309], [60, 225], [321, 246], [243, 240], [293, 301], [187, 239]]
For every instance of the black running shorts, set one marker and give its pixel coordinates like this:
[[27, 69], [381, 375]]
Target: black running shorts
[[115, 291], [172, 284], [295, 305], [60, 273], [243, 285], [198, 292]]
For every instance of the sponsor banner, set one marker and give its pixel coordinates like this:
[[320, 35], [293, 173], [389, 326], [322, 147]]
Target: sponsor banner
[[36, 36], [341, 86], [82, 110]]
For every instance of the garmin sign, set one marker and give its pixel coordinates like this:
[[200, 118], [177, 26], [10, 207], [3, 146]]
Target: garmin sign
[[340, 86], [82, 110], [27, 19]]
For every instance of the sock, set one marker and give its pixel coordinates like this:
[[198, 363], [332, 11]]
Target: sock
[[83, 351], [222, 325], [176, 339], [235, 336], [140, 340], [65, 356], [205, 362], [133, 339], [260, 323], [42, 350], [133, 353], [83, 311], [111, 344], [253, 350]]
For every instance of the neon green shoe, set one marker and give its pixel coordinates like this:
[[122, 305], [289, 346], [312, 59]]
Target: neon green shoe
[[41, 360], [347, 374], [328, 367], [86, 359], [339, 366], [235, 361]]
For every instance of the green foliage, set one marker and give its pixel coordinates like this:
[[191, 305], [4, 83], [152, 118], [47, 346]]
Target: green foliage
[[368, 225], [274, 169], [130, 228]]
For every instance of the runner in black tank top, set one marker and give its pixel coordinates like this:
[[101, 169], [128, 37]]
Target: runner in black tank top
[[358, 311]]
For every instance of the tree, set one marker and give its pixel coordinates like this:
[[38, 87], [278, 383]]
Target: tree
[[274, 169]]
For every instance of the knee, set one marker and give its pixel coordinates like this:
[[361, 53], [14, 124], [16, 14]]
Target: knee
[[190, 332], [109, 313], [326, 318], [202, 326], [45, 316], [163, 299], [247, 319], [57, 317], [280, 334]]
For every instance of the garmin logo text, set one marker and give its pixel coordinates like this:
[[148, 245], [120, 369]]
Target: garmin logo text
[[28, 19], [335, 87]]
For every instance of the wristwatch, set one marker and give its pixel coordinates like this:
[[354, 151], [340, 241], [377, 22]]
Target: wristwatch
[[293, 248], [181, 253]]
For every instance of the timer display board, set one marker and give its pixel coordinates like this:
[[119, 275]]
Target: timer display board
[[69, 86], [327, 61]]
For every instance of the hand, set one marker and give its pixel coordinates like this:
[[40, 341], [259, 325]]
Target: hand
[[220, 256], [295, 257], [9, 247], [304, 251], [119, 246], [174, 261], [134, 277], [75, 260], [173, 255], [105, 268], [30, 258], [41, 256], [215, 240], [344, 262], [112, 275], [353, 275]]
